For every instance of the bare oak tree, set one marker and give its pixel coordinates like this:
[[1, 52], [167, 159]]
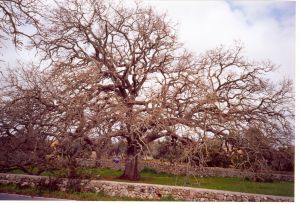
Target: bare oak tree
[[129, 77]]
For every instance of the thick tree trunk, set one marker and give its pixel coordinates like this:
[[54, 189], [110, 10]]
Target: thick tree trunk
[[131, 164], [72, 169]]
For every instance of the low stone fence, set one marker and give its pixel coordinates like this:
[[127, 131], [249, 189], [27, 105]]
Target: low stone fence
[[179, 169], [140, 190]]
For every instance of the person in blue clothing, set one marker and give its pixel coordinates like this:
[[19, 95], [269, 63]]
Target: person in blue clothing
[[116, 160]]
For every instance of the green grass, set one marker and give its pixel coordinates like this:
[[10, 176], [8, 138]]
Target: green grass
[[219, 183], [99, 173], [12, 188]]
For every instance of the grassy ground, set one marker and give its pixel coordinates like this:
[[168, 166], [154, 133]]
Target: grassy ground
[[219, 183], [12, 188]]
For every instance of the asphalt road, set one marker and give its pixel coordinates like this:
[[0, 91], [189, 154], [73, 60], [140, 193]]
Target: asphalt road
[[8, 196]]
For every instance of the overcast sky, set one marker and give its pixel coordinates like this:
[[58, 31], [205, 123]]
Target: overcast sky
[[265, 28]]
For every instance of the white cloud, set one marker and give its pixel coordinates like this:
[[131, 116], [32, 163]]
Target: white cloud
[[267, 29], [256, 10]]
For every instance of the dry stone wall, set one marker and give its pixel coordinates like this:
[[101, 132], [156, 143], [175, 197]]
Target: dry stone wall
[[178, 169], [139, 190]]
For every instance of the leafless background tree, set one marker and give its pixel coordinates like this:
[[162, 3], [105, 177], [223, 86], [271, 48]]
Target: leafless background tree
[[25, 122], [40, 129]]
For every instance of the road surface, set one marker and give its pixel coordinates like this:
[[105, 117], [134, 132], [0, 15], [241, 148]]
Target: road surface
[[10, 196]]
